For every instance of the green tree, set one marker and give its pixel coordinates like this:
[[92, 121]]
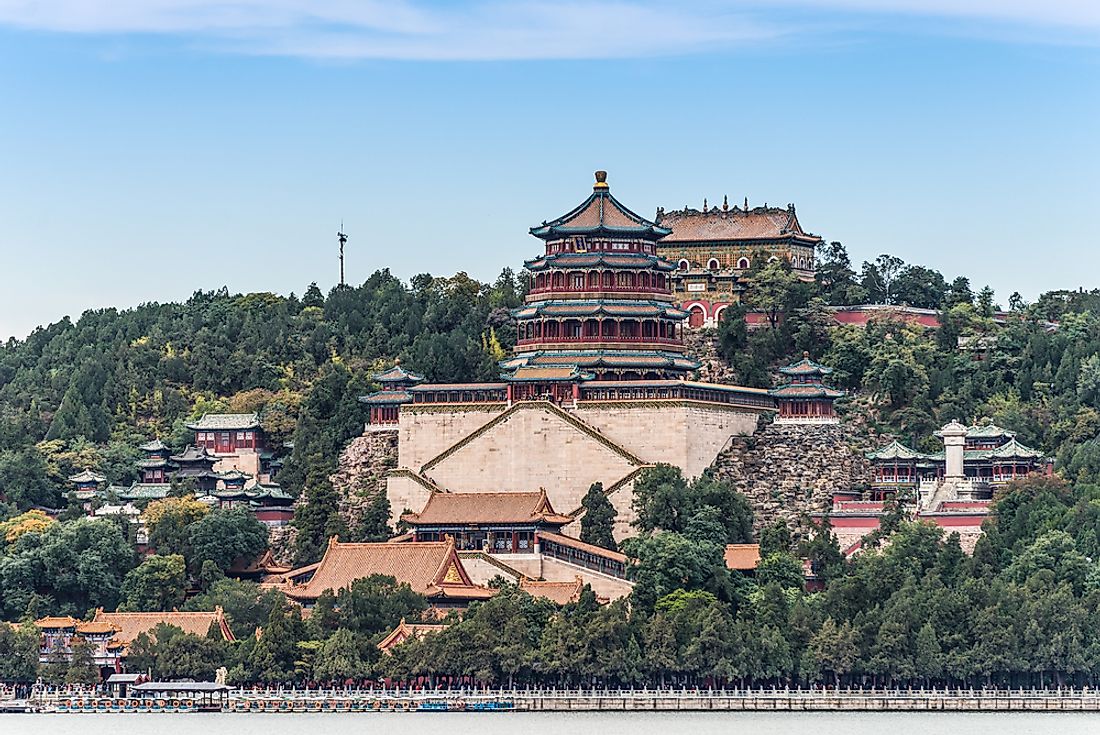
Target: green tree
[[929, 657], [835, 648], [313, 297], [317, 521], [75, 566], [169, 521], [879, 278], [186, 656], [158, 583], [772, 290], [835, 278], [340, 657], [18, 653], [374, 524], [918, 286], [274, 657], [369, 606], [664, 500], [781, 568], [246, 605], [598, 521], [82, 668], [24, 481], [82, 412], [227, 536], [666, 562], [985, 304], [959, 292]]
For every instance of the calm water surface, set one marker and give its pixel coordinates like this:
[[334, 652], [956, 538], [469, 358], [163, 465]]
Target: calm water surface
[[579, 723]]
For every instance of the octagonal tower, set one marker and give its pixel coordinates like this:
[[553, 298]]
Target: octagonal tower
[[600, 304]]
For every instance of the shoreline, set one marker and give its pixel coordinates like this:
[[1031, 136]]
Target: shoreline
[[368, 701]]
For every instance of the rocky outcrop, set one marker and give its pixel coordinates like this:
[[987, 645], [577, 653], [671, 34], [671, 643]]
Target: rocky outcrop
[[702, 344], [790, 470], [281, 541], [362, 472]]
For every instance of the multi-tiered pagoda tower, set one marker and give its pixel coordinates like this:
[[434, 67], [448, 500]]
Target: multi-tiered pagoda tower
[[598, 388], [599, 305]]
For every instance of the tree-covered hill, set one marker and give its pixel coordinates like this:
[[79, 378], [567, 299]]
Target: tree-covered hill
[[1034, 369], [912, 611], [83, 394]]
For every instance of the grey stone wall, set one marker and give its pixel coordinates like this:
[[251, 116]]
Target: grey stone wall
[[789, 471], [362, 471]]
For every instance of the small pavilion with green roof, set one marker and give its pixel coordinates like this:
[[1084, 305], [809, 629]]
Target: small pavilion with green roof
[[804, 398], [991, 456], [385, 403]]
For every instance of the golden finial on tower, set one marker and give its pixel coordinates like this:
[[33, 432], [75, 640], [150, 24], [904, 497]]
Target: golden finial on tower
[[601, 180]]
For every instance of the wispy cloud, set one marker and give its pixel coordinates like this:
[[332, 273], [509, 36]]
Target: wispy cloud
[[509, 29], [1079, 15], [405, 29]]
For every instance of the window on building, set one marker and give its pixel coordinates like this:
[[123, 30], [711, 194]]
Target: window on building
[[683, 264], [712, 264], [743, 263]]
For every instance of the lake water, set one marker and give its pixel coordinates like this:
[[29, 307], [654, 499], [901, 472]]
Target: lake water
[[559, 723]]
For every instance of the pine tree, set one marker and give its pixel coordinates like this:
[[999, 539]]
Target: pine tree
[[598, 522], [313, 297], [929, 658], [318, 520], [82, 668], [374, 524]]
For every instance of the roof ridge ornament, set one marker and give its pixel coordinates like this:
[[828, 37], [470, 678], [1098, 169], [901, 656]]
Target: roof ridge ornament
[[601, 181]]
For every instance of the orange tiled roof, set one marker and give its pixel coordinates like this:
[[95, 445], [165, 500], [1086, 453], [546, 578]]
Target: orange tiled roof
[[432, 569], [405, 631], [470, 508], [716, 225], [264, 563], [545, 373], [742, 557], [132, 624], [561, 593], [97, 628], [65, 621]]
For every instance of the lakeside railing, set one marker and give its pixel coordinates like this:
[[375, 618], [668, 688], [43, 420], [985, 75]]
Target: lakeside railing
[[668, 698], [681, 692]]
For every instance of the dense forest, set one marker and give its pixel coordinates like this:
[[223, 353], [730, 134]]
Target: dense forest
[[1022, 609]]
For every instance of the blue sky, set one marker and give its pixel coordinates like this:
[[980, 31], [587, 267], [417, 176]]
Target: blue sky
[[150, 148]]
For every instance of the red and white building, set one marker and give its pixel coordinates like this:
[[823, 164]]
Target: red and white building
[[228, 433]]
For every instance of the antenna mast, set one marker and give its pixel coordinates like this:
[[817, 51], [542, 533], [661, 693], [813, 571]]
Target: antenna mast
[[342, 238]]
